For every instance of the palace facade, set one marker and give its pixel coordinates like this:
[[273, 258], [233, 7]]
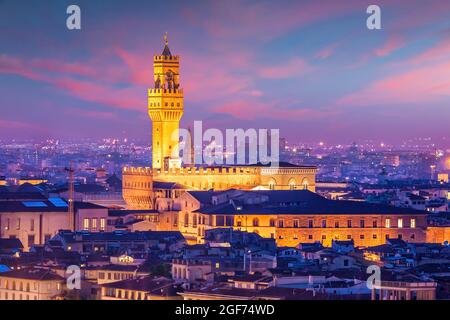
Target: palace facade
[[275, 201], [295, 216], [165, 108]]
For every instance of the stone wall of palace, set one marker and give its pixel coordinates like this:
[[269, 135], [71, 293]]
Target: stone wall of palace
[[137, 188], [290, 230], [438, 234], [137, 182]]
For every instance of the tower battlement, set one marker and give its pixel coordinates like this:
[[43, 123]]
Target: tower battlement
[[160, 58], [191, 171], [165, 92]]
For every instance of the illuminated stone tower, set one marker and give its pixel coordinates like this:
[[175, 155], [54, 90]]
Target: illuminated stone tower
[[165, 108]]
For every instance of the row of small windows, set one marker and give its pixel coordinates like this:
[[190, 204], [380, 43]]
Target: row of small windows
[[349, 236], [280, 223], [125, 294], [20, 286], [91, 224], [140, 184], [18, 224], [114, 276], [19, 296], [158, 104], [362, 223]]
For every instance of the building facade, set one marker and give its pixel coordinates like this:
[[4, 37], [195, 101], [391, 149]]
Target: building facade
[[165, 108], [293, 217]]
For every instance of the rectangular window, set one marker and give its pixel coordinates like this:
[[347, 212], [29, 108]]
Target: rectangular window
[[281, 223], [310, 224], [362, 224], [296, 223], [336, 224], [94, 223], [324, 223], [32, 225], [375, 223], [413, 223], [374, 236], [400, 223], [86, 224], [388, 223], [102, 224], [349, 223]]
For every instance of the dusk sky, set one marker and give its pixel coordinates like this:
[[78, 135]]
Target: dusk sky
[[310, 68]]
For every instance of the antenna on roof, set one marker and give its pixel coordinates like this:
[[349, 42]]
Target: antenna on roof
[[71, 197]]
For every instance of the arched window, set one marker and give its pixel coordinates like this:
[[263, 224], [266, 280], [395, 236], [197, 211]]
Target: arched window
[[272, 222], [305, 184], [255, 222], [272, 184], [292, 184]]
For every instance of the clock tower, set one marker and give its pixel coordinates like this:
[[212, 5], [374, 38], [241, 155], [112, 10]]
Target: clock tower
[[165, 108]]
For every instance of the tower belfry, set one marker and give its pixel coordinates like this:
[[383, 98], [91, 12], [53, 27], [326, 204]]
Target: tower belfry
[[165, 108]]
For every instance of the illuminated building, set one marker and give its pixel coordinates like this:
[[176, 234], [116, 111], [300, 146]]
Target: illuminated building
[[146, 288], [293, 217], [165, 108], [34, 222], [31, 284]]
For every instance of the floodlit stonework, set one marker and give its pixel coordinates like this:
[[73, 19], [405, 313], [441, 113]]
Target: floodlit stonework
[[165, 108]]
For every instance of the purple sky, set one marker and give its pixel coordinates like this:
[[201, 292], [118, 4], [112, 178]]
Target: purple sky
[[310, 68]]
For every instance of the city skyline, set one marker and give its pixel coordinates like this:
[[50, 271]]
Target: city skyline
[[315, 71]]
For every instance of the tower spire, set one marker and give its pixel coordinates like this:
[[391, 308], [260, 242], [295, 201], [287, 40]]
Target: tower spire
[[166, 52]]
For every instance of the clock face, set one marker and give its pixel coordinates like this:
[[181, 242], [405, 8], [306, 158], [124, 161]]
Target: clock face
[[169, 75]]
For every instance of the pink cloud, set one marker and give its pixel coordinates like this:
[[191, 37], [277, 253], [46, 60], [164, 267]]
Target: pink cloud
[[392, 44], [327, 51], [250, 110], [441, 51], [265, 20], [91, 113], [294, 67], [9, 124], [424, 84], [60, 74], [124, 98]]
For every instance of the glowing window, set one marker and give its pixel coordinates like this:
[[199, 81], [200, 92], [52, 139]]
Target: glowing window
[[86, 224]]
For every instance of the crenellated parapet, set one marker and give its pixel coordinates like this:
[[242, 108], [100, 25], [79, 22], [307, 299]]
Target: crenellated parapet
[[166, 59]]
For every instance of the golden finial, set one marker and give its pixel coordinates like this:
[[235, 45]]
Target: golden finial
[[165, 39]]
